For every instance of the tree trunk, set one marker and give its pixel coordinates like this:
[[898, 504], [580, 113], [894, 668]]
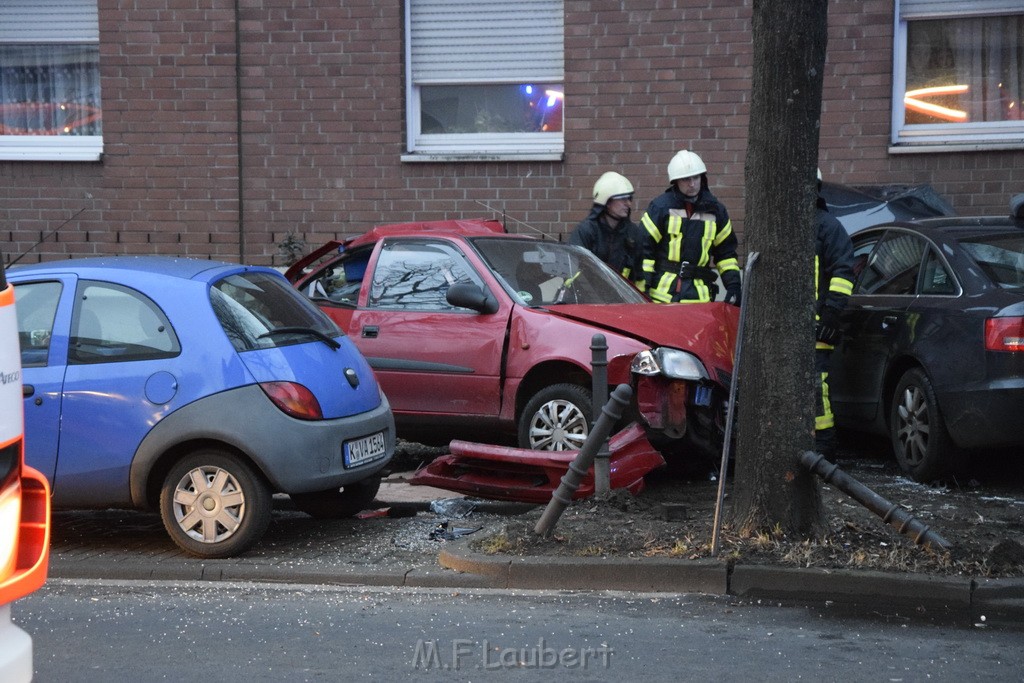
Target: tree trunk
[[776, 406]]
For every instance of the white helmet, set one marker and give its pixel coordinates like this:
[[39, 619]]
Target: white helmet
[[612, 185], [685, 164]]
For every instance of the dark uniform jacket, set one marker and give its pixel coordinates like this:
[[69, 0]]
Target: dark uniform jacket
[[683, 241], [833, 261], [620, 247]]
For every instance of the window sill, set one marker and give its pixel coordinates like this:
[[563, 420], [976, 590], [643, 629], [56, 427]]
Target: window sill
[[442, 157], [940, 147], [51, 148]]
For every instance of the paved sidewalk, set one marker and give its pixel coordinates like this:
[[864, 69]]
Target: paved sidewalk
[[392, 551]]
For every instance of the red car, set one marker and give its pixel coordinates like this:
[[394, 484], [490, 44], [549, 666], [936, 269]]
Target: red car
[[478, 334]]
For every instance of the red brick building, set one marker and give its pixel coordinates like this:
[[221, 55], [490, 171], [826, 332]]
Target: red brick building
[[217, 132]]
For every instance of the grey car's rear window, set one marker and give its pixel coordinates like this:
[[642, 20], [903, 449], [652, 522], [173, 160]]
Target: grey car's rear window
[[1001, 257], [260, 311]]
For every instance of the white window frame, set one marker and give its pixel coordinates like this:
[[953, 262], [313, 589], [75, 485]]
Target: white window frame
[[993, 135], [482, 146], [62, 22]]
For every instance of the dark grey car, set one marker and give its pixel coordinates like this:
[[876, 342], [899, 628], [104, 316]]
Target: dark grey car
[[933, 353]]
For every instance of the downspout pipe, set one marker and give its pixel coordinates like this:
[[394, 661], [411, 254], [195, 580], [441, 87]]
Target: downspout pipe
[[238, 131], [893, 515]]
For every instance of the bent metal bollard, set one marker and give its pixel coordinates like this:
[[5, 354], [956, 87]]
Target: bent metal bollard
[[891, 514], [562, 496], [599, 365]]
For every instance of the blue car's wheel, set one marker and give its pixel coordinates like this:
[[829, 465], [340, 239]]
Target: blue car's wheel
[[213, 504]]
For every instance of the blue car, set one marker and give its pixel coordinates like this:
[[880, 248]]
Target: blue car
[[197, 388]]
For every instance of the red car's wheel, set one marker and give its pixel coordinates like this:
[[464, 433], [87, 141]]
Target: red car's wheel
[[557, 418]]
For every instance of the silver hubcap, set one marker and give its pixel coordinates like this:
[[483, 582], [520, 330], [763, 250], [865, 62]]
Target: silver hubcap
[[209, 504], [913, 428], [558, 426]]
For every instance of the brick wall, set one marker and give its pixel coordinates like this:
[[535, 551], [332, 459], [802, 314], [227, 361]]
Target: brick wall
[[323, 127]]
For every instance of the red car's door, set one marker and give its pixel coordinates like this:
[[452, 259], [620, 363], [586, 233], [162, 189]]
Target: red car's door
[[429, 356]]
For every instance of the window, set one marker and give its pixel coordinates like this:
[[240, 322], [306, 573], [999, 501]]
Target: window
[[113, 323], [959, 74], [37, 306], [484, 79], [49, 81], [261, 311], [893, 266], [416, 276], [1001, 257]]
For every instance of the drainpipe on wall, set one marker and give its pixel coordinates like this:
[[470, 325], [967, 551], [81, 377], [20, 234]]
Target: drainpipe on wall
[[238, 131]]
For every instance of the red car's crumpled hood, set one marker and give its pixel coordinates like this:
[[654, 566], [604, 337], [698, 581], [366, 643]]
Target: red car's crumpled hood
[[707, 330]]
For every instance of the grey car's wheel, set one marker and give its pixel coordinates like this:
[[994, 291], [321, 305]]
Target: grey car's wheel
[[214, 505], [920, 441], [557, 418], [339, 503]]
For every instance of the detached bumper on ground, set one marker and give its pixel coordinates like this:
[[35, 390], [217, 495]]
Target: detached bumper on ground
[[517, 474]]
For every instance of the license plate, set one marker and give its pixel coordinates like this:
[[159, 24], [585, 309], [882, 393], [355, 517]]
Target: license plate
[[368, 448]]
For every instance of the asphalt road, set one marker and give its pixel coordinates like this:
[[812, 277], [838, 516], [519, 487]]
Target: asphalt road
[[155, 630]]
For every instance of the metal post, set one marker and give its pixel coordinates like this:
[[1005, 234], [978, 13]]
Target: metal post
[[599, 365], [562, 496], [893, 515], [730, 417]]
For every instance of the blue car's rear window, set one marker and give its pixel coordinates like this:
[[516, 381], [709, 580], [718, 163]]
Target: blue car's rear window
[[261, 311]]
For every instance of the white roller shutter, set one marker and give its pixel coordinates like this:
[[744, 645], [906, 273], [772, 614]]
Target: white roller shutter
[[49, 21], [933, 9], [469, 41]]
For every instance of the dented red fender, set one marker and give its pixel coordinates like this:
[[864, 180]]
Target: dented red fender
[[520, 474]]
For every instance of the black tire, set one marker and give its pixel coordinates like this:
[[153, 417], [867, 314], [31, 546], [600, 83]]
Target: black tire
[[226, 517], [338, 503], [917, 430], [557, 418]]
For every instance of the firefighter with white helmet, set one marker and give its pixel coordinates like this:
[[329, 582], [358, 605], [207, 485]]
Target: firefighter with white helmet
[[833, 285], [608, 231], [688, 232]]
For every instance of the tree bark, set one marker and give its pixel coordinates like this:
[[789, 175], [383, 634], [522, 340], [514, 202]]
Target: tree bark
[[776, 406]]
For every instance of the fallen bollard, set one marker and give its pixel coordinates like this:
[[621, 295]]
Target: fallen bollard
[[891, 514], [562, 496]]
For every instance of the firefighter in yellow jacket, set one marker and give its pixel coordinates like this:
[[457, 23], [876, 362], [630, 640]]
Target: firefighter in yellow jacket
[[688, 232]]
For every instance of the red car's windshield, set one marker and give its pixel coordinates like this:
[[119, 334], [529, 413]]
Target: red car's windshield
[[547, 273]]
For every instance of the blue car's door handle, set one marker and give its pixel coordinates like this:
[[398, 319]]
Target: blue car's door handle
[[889, 320], [370, 331], [27, 390]]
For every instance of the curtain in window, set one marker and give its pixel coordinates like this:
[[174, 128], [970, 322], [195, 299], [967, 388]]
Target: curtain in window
[[989, 54], [50, 90]]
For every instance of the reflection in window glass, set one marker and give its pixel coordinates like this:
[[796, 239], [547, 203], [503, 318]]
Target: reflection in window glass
[[114, 323], [417, 276], [893, 266], [999, 257], [937, 279], [50, 90], [37, 306], [965, 70], [261, 311], [546, 273], [491, 108]]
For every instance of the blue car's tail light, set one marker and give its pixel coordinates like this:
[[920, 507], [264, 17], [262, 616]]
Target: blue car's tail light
[[294, 399]]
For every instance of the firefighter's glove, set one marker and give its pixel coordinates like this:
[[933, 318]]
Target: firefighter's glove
[[828, 330], [732, 294]]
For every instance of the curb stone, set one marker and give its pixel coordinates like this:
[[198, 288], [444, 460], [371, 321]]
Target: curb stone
[[963, 601]]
